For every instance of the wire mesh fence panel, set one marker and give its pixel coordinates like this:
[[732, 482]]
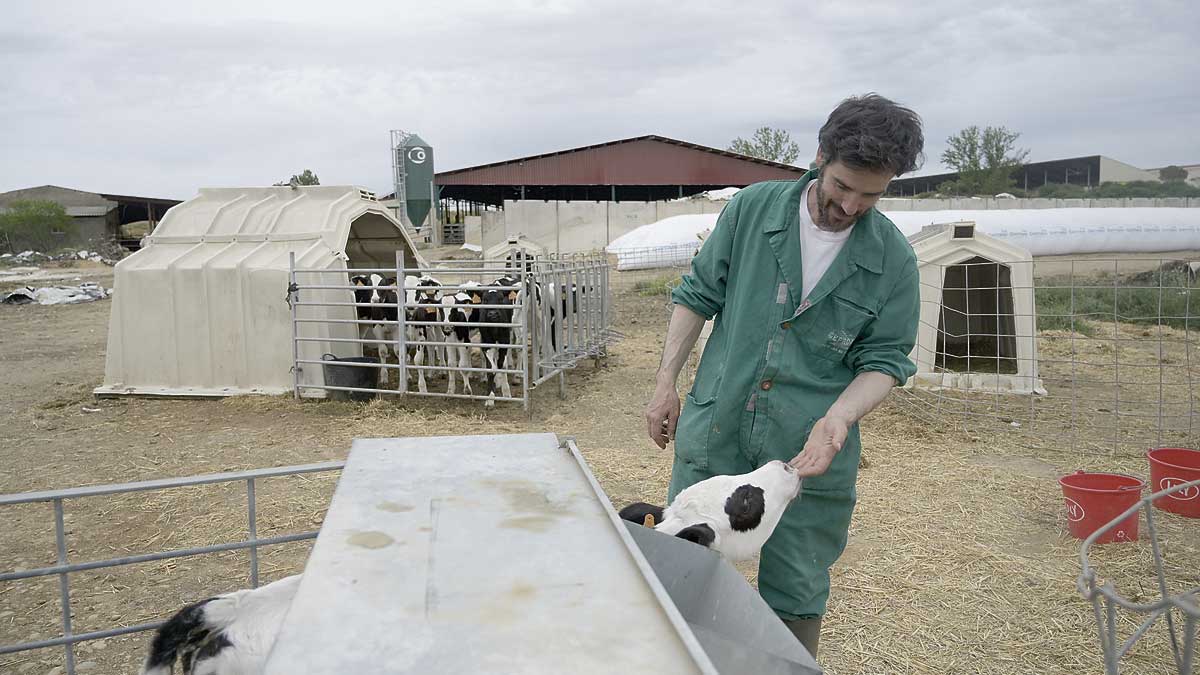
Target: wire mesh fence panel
[[1082, 355], [650, 268]]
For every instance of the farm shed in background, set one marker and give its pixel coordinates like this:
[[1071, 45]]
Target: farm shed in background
[[201, 310], [644, 168], [97, 216]]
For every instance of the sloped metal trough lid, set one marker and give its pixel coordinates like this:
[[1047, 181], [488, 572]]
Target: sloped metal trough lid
[[501, 554]]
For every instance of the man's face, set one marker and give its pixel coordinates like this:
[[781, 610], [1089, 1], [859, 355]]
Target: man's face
[[844, 193]]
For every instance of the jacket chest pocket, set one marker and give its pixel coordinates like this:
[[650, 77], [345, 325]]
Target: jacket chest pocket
[[835, 328]]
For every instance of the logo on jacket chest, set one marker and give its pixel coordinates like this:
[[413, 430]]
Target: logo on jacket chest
[[838, 340]]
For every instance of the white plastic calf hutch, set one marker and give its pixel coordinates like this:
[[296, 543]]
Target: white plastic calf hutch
[[977, 328], [201, 309]]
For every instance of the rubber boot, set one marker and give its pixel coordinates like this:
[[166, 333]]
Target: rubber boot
[[808, 632]]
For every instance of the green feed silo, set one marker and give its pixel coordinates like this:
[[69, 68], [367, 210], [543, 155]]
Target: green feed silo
[[418, 179]]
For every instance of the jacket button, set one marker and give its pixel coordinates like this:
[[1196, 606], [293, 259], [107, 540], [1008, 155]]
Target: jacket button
[[786, 325], [766, 385]]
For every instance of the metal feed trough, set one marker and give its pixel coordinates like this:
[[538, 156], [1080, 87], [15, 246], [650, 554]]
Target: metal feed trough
[[502, 554], [478, 554], [562, 315]]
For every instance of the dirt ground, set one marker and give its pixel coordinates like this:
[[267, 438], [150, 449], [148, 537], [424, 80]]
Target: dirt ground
[[959, 560]]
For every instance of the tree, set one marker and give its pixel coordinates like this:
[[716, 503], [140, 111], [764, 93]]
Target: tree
[[775, 145], [1172, 174], [306, 178], [35, 223], [984, 160]]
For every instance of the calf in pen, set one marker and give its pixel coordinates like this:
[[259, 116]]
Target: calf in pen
[[498, 301]]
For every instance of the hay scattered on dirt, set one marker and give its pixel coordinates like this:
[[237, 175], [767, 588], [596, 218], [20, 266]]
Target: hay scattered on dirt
[[958, 560]]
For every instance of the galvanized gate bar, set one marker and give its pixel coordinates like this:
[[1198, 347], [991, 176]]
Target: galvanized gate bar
[[152, 557], [163, 483]]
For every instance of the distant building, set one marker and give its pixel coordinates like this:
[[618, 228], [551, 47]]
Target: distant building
[[642, 169], [1193, 177], [1087, 171], [98, 216]]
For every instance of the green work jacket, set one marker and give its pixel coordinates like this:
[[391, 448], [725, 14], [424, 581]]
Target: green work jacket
[[775, 362]]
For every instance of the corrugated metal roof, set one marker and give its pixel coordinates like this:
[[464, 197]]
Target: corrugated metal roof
[[644, 160], [80, 211]]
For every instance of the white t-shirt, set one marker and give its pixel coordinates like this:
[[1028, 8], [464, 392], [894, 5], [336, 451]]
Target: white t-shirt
[[818, 248]]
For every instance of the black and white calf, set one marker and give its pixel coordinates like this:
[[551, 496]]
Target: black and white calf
[[423, 298], [733, 515], [385, 310], [379, 293], [494, 298], [229, 634], [456, 315], [364, 294]]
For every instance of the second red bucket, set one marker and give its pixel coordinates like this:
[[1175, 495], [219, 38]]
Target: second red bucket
[[1095, 499], [1174, 466]]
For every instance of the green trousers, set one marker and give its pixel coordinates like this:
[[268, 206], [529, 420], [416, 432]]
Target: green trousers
[[793, 571]]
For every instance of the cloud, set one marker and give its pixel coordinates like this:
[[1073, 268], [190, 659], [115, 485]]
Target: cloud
[[142, 98]]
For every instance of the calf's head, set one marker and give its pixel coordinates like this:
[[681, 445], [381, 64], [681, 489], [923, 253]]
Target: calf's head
[[429, 299], [453, 311]]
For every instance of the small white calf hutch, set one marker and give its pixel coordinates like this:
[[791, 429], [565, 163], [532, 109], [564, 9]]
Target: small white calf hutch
[[978, 321], [201, 309]]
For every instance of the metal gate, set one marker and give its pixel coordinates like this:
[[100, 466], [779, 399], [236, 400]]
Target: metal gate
[[560, 312], [64, 567]]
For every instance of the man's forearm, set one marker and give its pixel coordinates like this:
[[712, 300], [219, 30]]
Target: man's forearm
[[682, 332], [865, 393]]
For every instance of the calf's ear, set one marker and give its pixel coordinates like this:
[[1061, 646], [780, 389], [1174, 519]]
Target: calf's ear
[[745, 507], [512, 296], [638, 511], [700, 534]]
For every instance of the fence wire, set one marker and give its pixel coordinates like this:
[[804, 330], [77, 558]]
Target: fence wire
[[1079, 354]]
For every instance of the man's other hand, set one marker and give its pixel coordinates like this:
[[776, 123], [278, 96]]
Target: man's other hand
[[826, 440], [662, 415]]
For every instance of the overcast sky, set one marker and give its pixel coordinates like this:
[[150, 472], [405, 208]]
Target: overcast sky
[[160, 99]]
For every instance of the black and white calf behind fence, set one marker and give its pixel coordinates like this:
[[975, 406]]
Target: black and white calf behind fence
[[456, 329]]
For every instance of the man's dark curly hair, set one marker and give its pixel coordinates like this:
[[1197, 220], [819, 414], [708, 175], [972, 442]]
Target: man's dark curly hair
[[872, 132]]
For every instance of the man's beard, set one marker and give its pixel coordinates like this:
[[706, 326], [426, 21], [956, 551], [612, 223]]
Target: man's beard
[[823, 222]]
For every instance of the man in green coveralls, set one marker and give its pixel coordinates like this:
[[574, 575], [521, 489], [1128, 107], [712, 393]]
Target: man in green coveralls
[[816, 299]]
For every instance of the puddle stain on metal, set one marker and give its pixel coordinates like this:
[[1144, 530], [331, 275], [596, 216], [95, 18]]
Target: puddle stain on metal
[[529, 523], [371, 539]]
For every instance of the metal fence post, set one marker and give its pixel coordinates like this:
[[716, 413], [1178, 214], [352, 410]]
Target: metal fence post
[[526, 336], [252, 509], [401, 347], [604, 299], [64, 584], [561, 329], [293, 298]]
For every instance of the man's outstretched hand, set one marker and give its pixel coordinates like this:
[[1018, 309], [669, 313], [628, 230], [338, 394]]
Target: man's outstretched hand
[[662, 414], [826, 440]]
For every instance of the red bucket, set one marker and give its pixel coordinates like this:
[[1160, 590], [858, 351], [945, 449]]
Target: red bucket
[[1094, 499], [1170, 467]]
